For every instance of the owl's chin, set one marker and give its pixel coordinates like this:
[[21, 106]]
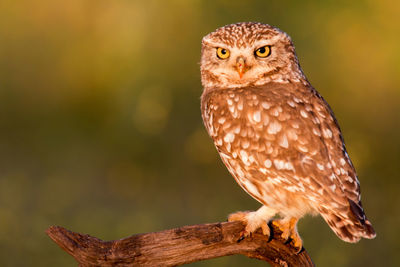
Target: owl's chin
[[244, 82], [228, 81], [217, 80]]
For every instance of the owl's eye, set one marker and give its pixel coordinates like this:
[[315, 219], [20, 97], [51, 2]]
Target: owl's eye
[[264, 51], [222, 53]]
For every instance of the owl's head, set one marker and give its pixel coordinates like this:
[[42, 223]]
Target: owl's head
[[246, 54]]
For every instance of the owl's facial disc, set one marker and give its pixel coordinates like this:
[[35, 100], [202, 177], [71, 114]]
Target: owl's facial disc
[[241, 65], [246, 54]]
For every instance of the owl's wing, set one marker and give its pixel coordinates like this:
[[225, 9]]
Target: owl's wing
[[307, 154]]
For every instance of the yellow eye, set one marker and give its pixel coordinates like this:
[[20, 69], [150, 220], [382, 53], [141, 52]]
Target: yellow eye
[[222, 53], [264, 51]]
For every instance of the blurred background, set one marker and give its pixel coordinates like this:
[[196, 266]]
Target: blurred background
[[101, 129]]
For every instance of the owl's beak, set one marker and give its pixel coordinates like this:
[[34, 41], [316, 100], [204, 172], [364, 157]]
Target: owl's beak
[[241, 66]]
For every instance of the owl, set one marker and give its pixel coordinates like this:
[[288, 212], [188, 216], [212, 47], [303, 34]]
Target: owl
[[276, 134]]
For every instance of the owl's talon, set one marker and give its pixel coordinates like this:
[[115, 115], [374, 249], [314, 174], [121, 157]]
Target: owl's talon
[[289, 232], [283, 228], [243, 234], [297, 242], [300, 250]]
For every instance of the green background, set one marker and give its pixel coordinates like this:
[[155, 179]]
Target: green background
[[101, 132]]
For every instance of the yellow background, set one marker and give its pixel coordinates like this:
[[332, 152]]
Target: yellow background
[[100, 126]]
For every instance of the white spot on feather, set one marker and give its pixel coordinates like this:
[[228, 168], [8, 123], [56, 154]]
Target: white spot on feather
[[235, 114], [275, 112], [218, 142], [257, 116], [296, 188], [245, 144], [228, 146], [320, 166], [284, 141], [267, 163], [297, 100], [244, 157], [225, 155], [229, 137], [302, 148], [322, 114], [313, 199], [265, 105], [303, 113], [289, 166], [327, 133], [279, 164], [274, 127], [252, 159], [292, 188], [316, 132], [276, 180], [316, 120], [295, 125], [334, 205], [333, 187]]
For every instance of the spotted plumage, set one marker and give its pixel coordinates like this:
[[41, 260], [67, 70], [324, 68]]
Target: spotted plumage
[[276, 135]]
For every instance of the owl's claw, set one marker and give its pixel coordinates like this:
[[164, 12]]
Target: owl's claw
[[243, 234], [289, 232], [241, 237]]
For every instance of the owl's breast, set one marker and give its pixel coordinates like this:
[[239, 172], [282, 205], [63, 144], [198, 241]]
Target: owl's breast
[[271, 141], [269, 123]]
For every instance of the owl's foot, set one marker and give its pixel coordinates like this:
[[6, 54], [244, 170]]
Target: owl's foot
[[288, 227], [253, 220]]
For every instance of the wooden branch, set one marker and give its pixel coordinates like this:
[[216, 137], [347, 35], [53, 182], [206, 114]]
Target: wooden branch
[[178, 246]]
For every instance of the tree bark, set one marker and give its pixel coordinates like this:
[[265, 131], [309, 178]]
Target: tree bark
[[179, 246]]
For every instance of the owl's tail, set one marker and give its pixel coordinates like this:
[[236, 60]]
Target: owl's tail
[[351, 225]]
